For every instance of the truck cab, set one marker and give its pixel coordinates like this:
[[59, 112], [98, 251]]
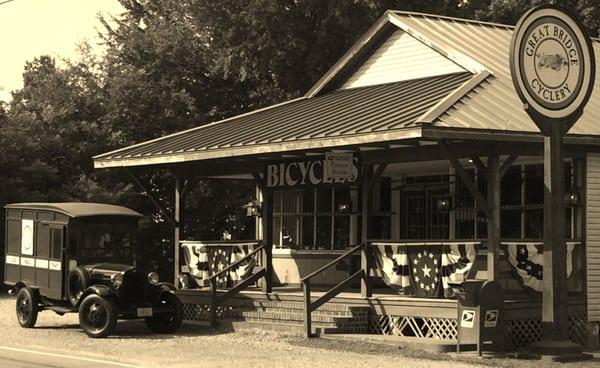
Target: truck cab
[[79, 257]]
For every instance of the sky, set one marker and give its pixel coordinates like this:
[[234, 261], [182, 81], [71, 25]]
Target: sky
[[30, 28]]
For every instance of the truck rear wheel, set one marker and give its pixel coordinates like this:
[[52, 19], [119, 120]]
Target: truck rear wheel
[[97, 316], [27, 307], [166, 322]]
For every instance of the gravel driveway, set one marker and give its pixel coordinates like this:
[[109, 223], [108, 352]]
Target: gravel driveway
[[194, 346]]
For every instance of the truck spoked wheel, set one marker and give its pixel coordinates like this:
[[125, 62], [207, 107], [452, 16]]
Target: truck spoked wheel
[[27, 307], [97, 316], [169, 320]]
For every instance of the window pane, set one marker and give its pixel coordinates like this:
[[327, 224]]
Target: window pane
[[463, 197], [308, 231], [342, 232], [288, 231], [56, 243], [385, 194], [324, 200], [324, 232], [534, 223], [534, 184], [380, 227], [510, 223], [465, 223], [308, 201], [277, 230], [510, 193], [342, 196]]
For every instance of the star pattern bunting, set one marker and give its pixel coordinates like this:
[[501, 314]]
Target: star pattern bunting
[[527, 262]]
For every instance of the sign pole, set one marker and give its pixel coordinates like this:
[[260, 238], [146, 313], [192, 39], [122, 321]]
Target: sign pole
[[555, 320], [553, 69]]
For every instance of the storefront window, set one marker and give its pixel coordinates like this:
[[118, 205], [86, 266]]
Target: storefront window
[[309, 218], [420, 216], [521, 204]]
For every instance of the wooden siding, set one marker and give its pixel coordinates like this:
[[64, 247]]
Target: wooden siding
[[401, 57], [593, 236]]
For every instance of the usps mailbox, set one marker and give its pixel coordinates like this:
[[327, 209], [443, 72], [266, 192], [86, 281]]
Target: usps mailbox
[[479, 313]]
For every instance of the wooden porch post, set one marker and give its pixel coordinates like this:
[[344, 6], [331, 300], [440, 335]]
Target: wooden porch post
[[176, 230], [267, 237], [365, 283], [493, 217]]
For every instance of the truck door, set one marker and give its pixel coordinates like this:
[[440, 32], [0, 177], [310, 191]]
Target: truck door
[[55, 262]]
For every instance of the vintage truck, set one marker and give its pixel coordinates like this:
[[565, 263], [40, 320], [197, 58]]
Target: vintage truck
[[79, 257]]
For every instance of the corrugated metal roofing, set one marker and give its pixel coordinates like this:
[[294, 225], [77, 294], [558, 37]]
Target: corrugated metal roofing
[[78, 209], [374, 113], [336, 116], [489, 45]]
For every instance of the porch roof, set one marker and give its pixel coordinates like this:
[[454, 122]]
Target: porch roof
[[481, 102], [378, 113]]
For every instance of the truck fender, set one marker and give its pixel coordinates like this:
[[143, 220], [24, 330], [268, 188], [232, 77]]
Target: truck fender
[[99, 290], [166, 287]]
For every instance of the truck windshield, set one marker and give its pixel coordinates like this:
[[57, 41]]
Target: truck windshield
[[106, 241]]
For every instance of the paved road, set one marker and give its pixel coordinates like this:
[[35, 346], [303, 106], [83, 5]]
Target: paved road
[[33, 358]]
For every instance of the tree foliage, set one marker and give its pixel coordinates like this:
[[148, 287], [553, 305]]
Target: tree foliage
[[175, 64]]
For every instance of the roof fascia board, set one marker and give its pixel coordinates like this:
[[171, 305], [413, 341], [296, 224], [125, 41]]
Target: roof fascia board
[[465, 134], [452, 19], [355, 50], [395, 135], [461, 60], [111, 153], [452, 98]]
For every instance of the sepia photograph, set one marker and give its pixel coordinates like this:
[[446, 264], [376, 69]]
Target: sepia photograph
[[299, 183]]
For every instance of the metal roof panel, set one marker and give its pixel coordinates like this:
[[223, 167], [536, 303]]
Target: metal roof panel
[[338, 114]]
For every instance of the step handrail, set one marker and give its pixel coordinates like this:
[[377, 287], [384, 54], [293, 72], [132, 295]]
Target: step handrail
[[217, 300], [309, 305], [332, 263]]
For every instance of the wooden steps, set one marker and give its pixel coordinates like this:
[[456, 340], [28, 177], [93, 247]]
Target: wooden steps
[[289, 316]]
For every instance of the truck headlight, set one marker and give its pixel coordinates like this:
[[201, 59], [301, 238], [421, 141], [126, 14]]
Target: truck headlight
[[153, 278], [117, 279]]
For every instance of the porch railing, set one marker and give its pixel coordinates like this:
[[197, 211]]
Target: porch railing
[[309, 305], [217, 300]]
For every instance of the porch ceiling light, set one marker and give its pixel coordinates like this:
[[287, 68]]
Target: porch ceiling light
[[444, 204], [571, 198], [344, 207]]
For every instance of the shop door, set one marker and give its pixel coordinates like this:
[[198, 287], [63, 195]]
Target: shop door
[[414, 214], [437, 220]]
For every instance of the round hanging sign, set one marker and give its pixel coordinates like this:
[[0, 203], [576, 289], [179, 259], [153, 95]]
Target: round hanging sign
[[552, 64]]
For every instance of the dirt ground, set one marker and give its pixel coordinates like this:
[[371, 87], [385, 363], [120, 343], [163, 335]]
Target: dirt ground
[[194, 346]]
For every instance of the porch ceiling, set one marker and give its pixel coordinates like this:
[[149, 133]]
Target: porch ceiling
[[382, 113]]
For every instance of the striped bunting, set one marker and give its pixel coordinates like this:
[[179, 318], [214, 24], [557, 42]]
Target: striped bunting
[[202, 261], [425, 269], [526, 260]]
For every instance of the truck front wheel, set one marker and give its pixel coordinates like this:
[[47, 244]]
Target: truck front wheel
[[27, 307], [169, 320], [97, 316]]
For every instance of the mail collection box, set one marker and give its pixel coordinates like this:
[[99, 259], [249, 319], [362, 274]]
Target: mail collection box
[[480, 313]]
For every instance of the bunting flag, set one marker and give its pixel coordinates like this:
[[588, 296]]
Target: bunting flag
[[392, 261], [202, 261], [245, 268], [196, 259], [218, 260], [457, 261], [527, 262], [424, 270]]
